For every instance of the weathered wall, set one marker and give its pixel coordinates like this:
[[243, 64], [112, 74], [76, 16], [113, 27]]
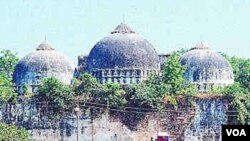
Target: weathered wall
[[206, 125], [183, 124]]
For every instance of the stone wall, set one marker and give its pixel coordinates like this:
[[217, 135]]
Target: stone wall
[[206, 125], [125, 125]]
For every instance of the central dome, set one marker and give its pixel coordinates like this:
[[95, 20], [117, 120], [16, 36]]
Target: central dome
[[123, 48]]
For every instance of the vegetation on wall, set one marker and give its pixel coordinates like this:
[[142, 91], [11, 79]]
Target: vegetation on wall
[[241, 97], [12, 133], [87, 87], [92, 91], [239, 92], [53, 92]]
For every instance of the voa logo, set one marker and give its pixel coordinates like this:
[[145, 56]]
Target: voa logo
[[236, 132]]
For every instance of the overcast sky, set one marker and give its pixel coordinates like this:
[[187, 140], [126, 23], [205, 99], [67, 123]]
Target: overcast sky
[[74, 26]]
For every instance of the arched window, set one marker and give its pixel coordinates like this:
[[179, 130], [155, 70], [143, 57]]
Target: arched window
[[106, 72], [124, 80], [112, 73], [138, 72]]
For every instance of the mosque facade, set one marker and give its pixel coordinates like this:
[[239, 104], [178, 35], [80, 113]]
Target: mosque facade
[[122, 57]]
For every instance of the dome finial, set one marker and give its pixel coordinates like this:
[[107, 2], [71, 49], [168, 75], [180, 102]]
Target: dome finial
[[201, 45], [44, 45], [122, 28], [45, 39]]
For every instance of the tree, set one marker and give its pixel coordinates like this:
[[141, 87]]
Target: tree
[[244, 75], [7, 93], [241, 70], [113, 95], [230, 90], [172, 75], [159, 90], [240, 91], [239, 99], [56, 94], [149, 95], [8, 61], [12, 133], [90, 90], [173, 71], [241, 103], [86, 85]]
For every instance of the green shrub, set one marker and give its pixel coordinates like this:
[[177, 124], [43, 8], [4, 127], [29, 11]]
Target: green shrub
[[12, 133], [57, 95]]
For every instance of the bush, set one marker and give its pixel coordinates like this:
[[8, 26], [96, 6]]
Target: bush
[[239, 98], [7, 93], [8, 61], [87, 87], [56, 94], [12, 133]]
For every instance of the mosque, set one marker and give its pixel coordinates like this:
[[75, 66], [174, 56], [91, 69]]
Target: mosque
[[122, 57]]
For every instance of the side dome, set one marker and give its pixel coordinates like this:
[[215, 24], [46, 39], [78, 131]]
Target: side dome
[[123, 48], [42, 63], [206, 68]]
